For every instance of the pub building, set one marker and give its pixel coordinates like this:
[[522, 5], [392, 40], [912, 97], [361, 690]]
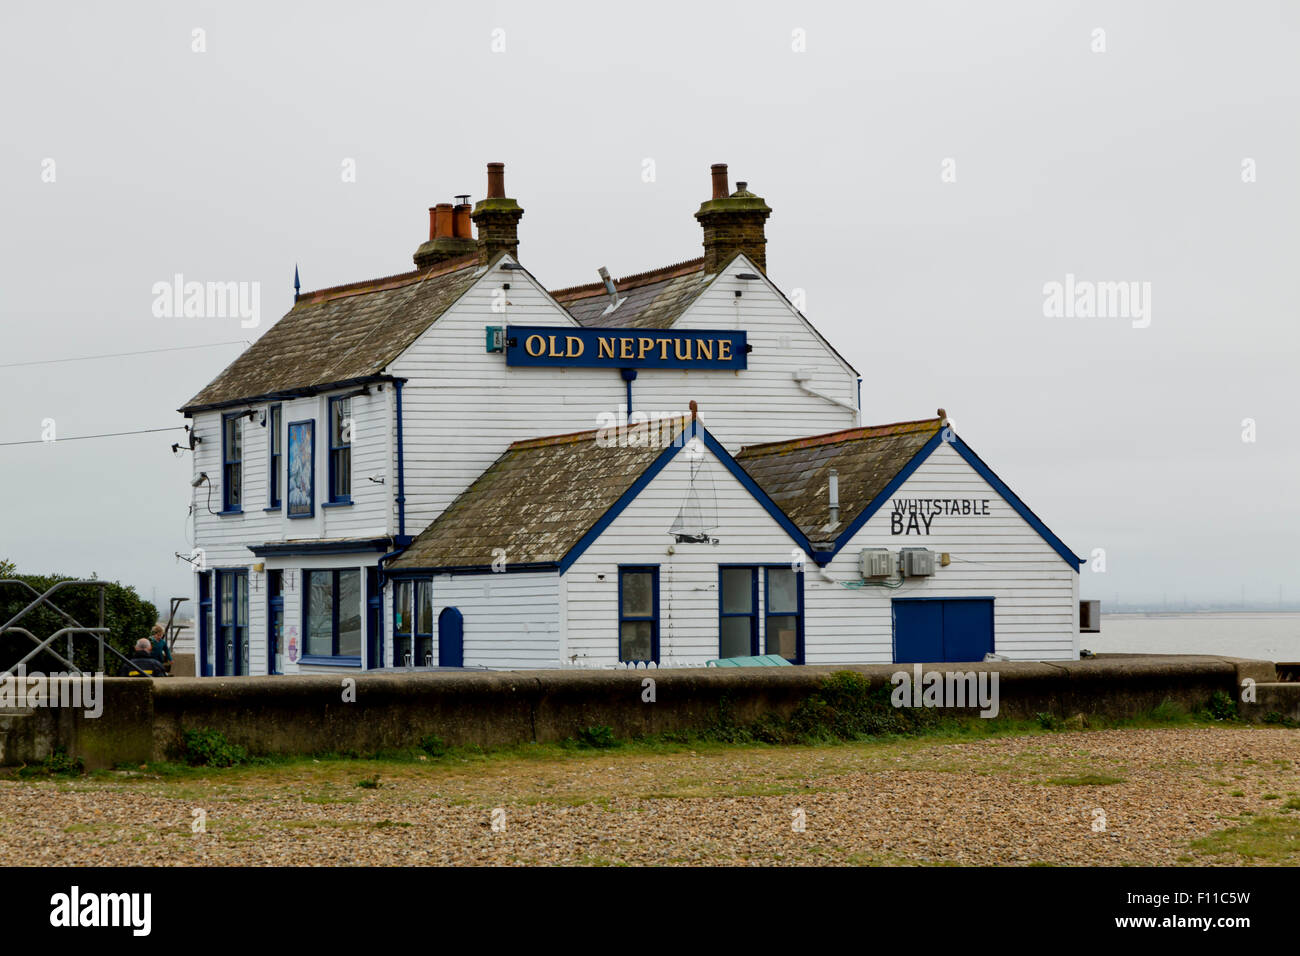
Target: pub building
[[456, 466]]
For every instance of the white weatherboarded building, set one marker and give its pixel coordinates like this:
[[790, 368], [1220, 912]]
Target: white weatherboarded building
[[351, 467]]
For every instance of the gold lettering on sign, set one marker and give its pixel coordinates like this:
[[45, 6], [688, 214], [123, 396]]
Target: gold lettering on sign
[[704, 349], [677, 349], [539, 349], [724, 350], [625, 348], [554, 353], [604, 348], [573, 346], [663, 350], [645, 345]]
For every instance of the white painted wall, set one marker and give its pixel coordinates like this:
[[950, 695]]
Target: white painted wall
[[1036, 594]]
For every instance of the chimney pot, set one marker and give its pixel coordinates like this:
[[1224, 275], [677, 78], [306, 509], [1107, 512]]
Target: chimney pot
[[441, 220], [496, 180], [719, 180], [460, 223]]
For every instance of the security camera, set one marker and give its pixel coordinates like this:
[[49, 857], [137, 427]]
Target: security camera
[[203, 476]]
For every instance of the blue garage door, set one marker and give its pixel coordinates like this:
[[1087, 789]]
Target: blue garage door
[[930, 630]]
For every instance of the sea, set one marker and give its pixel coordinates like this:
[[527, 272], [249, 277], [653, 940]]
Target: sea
[[1264, 635]]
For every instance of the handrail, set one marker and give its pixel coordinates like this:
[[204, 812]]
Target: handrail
[[42, 645], [77, 626]]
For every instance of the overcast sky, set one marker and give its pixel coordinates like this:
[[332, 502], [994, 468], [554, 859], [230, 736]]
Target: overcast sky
[[930, 166]]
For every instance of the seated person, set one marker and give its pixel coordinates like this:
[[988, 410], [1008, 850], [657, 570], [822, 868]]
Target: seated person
[[143, 663]]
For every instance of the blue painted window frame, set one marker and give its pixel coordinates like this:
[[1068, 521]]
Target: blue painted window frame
[[753, 613], [334, 659], [767, 611], [274, 457], [339, 453], [653, 617], [374, 620], [311, 429], [232, 504]]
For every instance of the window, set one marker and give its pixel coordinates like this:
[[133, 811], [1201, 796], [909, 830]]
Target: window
[[782, 612], [413, 624], [783, 603], [340, 451], [273, 456], [232, 623], [232, 461], [332, 615], [638, 614], [737, 611]]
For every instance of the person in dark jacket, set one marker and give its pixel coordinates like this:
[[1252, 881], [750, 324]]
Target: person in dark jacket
[[143, 663], [159, 648]]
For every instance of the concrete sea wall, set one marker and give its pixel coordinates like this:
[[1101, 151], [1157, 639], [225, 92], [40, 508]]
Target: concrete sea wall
[[145, 720]]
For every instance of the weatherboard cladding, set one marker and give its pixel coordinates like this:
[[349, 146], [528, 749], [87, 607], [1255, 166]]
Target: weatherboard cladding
[[795, 474], [652, 300], [534, 503], [340, 335]]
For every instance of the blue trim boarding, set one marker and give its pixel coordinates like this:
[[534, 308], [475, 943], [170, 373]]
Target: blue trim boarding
[[1010, 497], [692, 430], [983, 470]]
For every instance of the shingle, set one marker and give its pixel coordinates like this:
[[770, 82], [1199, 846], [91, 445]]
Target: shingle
[[340, 334]]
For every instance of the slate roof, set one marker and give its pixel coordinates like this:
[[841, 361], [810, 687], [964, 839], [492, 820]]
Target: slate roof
[[795, 473], [338, 336], [535, 502], [654, 300]]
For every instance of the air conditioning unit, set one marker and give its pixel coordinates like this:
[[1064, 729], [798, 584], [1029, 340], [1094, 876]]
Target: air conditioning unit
[[875, 563], [917, 562], [1090, 617]]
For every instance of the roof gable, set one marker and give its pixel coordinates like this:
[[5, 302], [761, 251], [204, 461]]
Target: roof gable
[[546, 500], [340, 335], [872, 463]]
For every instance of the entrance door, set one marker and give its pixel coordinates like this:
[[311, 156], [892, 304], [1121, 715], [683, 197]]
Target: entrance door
[[274, 619], [232, 623], [451, 638], [374, 617], [933, 630]]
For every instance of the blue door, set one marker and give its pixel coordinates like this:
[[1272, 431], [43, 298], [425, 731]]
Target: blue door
[[932, 630], [451, 638]]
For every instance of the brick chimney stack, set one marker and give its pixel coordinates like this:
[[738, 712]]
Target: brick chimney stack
[[449, 235], [733, 223], [497, 217]]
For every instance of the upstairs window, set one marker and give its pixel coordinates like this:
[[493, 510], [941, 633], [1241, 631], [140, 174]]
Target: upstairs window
[[340, 450], [232, 462], [273, 456], [638, 614]]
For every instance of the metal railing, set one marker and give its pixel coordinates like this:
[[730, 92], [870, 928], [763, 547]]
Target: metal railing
[[73, 629]]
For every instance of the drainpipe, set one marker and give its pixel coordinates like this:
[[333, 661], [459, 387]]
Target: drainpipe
[[401, 474], [629, 376]]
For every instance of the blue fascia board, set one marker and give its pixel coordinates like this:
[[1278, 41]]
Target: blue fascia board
[[692, 430], [272, 548], [983, 470], [878, 502], [1009, 496]]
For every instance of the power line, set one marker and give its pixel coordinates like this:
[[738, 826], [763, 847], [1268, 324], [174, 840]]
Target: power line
[[57, 441], [91, 358]]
